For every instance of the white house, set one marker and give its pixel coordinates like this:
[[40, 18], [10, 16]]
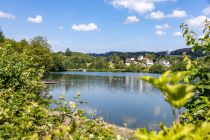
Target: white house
[[130, 61], [149, 62], [164, 63], [140, 58]]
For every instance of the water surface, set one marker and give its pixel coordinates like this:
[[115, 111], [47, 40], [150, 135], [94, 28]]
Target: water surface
[[118, 97]]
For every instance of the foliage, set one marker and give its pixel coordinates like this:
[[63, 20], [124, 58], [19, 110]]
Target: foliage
[[174, 92], [24, 111], [2, 37], [178, 65], [202, 42], [157, 68], [176, 132], [40, 48], [68, 52], [58, 62], [195, 119], [197, 109]]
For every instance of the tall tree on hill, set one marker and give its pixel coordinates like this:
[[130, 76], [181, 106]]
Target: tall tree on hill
[[68, 52], [2, 37]]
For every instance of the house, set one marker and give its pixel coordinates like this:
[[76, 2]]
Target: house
[[148, 62], [165, 63], [140, 58], [130, 61]]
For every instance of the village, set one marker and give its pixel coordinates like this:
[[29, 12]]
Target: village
[[145, 61]]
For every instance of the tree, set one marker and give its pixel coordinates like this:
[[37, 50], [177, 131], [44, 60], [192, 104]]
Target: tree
[[115, 59], [68, 52], [58, 62], [150, 56], [2, 37], [178, 65], [40, 50], [157, 68]]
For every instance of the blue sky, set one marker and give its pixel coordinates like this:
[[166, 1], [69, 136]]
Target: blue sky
[[103, 25]]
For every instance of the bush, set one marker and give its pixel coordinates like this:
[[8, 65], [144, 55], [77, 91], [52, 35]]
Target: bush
[[157, 68]]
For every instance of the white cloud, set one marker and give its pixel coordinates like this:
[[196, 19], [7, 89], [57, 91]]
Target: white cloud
[[160, 15], [60, 27], [6, 15], [156, 15], [177, 34], [178, 14], [162, 27], [196, 22], [85, 27], [36, 20], [159, 32], [139, 6], [131, 19], [206, 11]]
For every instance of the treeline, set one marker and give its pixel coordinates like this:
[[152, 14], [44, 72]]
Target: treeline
[[114, 62]]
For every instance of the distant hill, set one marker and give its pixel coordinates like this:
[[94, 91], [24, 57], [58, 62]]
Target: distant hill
[[177, 52], [121, 54], [188, 51]]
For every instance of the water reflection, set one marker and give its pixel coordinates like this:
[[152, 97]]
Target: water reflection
[[118, 97]]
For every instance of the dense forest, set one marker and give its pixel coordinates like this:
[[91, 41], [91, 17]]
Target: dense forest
[[25, 111]]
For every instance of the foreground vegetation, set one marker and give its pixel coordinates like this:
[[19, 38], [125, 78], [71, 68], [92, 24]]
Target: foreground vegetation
[[25, 112]]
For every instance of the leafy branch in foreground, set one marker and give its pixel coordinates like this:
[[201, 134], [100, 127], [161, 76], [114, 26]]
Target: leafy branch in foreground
[[175, 92], [198, 108], [176, 132], [196, 43]]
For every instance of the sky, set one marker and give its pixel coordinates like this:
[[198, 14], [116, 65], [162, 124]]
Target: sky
[[98, 26]]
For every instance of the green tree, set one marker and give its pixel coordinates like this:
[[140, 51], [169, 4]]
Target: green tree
[[115, 59], [68, 52], [58, 62], [178, 65], [198, 108], [40, 50], [150, 56], [157, 68], [2, 37]]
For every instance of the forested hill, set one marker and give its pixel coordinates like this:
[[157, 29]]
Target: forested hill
[[198, 53], [177, 52], [121, 54]]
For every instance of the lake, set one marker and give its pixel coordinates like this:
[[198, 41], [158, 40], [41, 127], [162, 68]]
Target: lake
[[118, 97]]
